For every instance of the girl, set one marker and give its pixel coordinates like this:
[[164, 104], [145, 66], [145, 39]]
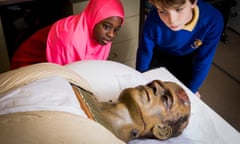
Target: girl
[[87, 35]]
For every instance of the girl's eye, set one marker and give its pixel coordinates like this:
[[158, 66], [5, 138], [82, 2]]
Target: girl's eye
[[106, 26], [116, 30]]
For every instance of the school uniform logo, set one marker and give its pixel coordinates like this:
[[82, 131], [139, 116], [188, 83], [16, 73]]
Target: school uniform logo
[[197, 43]]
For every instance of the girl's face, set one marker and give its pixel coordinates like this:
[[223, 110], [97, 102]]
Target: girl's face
[[176, 17], [106, 30]]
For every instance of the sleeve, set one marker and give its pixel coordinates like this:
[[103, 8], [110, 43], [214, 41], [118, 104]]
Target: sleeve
[[205, 54], [59, 46], [146, 45], [32, 50]]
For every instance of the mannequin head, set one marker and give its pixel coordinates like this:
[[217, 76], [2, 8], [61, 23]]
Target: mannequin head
[[156, 110]]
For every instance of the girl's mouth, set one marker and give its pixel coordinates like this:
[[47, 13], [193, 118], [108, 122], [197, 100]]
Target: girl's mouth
[[105, 41]]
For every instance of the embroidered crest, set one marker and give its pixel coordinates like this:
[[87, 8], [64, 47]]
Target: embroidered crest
[[197, 43]]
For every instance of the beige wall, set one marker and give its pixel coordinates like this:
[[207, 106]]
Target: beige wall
[[125, 45]]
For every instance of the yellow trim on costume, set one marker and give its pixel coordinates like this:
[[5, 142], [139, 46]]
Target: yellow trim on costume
[[192, 24]]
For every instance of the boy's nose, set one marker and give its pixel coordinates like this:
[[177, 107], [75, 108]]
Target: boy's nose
[[172, 18]]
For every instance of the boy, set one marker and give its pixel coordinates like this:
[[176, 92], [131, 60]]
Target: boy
[[181, 35]]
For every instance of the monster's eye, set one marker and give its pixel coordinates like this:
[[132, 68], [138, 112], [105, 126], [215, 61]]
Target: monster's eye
[[167, 99], [154, 89]]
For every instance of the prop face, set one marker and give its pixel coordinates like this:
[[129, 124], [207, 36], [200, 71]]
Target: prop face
[[158, 110]]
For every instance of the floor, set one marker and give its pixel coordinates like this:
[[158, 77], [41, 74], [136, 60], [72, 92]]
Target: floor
[[221, 89]]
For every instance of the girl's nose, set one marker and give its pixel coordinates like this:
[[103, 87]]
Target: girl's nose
[[110, 33]]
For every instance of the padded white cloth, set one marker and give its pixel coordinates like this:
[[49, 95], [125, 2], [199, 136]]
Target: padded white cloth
[[107, 78]]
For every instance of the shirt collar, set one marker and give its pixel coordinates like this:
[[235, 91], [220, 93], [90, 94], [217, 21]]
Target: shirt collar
[[193, 23]]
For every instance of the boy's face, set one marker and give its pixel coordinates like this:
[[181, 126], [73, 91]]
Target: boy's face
[[107, 29], [175, 17]]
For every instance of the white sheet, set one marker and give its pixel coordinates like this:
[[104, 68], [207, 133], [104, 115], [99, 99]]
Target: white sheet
[[205, 126], [108, 78]]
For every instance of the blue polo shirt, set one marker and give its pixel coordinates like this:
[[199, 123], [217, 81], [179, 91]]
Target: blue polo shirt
[[202, 35]]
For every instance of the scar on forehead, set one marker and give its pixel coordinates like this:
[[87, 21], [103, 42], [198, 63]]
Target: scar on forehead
[[183, 96]]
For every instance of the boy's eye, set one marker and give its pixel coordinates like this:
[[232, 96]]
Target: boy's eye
[[179, 9], [161, 11]]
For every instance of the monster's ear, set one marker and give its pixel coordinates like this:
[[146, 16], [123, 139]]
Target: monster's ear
[[162, 131]]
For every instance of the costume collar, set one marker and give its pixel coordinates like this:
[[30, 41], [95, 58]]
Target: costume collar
[[89, 105], [193, 23], [82, 102]]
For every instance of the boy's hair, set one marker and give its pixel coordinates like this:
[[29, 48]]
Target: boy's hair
[[170, 3]]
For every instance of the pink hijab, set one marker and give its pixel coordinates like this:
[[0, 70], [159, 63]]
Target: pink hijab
[[71, 39]]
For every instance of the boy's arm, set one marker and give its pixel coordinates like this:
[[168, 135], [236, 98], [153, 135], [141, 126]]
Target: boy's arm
[[205, 54], [146, 46]]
